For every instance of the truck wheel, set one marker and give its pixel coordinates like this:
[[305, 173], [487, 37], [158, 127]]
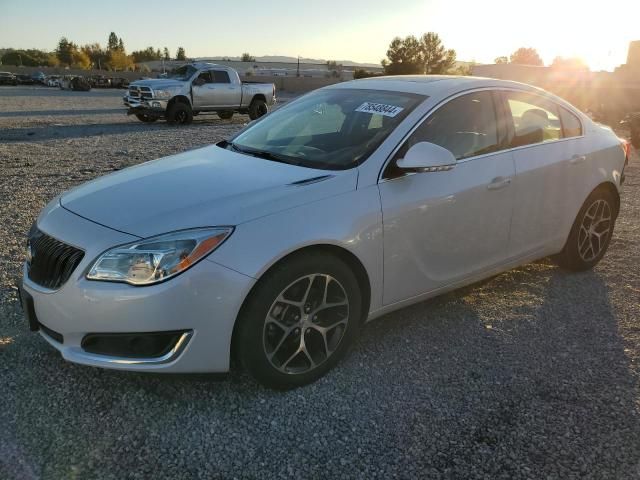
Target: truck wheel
[[257, 109], [179, 114], [225, 115], [146, 118]]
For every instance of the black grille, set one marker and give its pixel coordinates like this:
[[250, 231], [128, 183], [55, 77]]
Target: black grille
[[52, 333], [52, 261]]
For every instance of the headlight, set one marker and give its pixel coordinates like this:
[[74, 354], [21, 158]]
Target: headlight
[[156, 259], [162, 94]]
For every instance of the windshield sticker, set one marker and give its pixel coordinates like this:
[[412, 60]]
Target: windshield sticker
[[380, 109]]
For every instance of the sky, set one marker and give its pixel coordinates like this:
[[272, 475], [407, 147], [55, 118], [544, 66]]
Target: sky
[[358, 30]]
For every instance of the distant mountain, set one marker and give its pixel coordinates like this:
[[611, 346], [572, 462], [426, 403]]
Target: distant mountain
[[285, 59]]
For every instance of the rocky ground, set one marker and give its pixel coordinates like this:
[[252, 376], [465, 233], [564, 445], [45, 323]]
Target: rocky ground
[[531, 374]]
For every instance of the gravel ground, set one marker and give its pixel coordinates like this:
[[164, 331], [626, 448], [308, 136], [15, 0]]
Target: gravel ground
[[531, 374]]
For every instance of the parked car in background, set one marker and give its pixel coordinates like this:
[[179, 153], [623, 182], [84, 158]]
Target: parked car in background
[[8, 78], [39, 77], [348, 203], [198, 88], [119, 82], [74, 82], [24, 79], [99, 81], [53, 81], [632, 121]]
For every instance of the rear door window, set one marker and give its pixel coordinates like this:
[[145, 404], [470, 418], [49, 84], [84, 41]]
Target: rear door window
[[220, 76]]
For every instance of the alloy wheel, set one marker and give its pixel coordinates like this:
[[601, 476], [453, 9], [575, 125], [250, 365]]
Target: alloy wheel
[[594, 230], [181, 117], [306, 323]]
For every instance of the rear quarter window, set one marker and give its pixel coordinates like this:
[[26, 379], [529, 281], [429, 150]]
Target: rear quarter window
[[571, 125]]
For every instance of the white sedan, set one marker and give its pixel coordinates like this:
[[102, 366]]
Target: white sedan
[[347, 203]]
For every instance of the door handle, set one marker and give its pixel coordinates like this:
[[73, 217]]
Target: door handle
[[498, 183], [577, 159]]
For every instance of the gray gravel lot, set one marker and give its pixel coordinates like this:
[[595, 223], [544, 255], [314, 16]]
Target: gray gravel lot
[[531, 374]]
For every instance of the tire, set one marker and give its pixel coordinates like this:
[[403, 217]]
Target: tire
[[146, 118], [257, 109], [225, 115], [179, 114], [591, 232], [269, 345]]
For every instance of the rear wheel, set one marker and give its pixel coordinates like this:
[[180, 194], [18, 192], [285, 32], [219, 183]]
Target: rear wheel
[[179, 114], [258, 108], [225, 115], [299, 321], [146, 118], [591, 232]]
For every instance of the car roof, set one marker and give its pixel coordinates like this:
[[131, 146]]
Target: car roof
[[430, 85]]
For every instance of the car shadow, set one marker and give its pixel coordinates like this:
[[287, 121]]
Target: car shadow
[[70, 112], [58, 132], [533, 350]]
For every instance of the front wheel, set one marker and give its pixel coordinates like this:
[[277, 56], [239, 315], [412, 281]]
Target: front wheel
[[299, 321], [257, 109], [591, 232], [179, 114]]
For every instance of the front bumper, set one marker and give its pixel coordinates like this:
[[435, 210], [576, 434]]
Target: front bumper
[[203, 302], [151, 106]]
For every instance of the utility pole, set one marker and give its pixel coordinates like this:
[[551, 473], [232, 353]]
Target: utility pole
[[298, 70]]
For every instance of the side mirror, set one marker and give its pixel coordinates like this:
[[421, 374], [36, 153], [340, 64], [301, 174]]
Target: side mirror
[[427, 157], [198, 82]]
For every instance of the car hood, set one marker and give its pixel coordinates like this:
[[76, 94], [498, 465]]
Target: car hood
[[158, 83], [210, 186]]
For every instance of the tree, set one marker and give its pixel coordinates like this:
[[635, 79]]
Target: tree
[[502, 59], [52, 60], [180, 54], [64, 52], [410, 55], [96, 54], [166, 54], [247, 58], [526, 56], [463, 69], [29, 58], [80, 59], [120, 44], [403, 57], [436, 59], [362, 73], [569, 63], [119, 60], [112, 43], [146, 55]]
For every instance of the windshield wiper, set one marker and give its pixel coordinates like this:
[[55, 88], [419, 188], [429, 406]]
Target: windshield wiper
[[265, 154]]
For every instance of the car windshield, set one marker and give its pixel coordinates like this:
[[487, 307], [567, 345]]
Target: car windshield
[[182, 73], [331, 129]]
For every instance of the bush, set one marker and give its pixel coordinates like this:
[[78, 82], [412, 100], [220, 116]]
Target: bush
[[362, 73]]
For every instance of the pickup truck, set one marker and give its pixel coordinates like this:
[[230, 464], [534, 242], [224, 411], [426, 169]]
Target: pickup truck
[[198, 88]]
